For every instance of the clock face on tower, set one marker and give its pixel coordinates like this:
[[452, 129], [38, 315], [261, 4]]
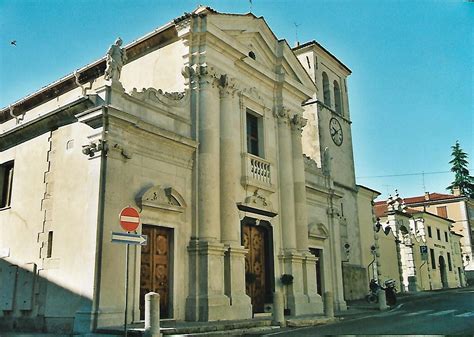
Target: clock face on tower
[[335, 130]]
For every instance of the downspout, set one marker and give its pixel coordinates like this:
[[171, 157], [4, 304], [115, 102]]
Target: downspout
[[101, 211]]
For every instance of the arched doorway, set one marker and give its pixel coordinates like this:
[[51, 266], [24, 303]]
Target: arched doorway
[[257, 238], [442, 271]]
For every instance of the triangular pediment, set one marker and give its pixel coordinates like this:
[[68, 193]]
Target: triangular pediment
[[249, 34]]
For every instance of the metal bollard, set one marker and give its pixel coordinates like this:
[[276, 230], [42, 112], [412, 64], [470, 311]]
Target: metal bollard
[[328, 304], [278, 309], [382, 300], [152, 315]]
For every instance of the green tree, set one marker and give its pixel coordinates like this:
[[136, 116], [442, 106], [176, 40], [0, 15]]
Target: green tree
[[462, 179]]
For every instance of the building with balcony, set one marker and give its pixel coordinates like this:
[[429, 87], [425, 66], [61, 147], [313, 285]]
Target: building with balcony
[[201, 125]]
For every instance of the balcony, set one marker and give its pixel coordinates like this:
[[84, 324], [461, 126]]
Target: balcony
[[257, 172]]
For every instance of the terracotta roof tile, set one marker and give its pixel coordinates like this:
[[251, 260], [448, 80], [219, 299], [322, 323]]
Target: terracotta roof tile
[[431, 197]]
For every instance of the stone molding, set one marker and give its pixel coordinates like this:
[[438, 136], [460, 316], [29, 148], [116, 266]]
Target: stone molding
[[154, 97], [164, 198], [318, 231], [257, 203]]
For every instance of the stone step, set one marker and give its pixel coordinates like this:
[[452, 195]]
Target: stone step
[[170, 327]]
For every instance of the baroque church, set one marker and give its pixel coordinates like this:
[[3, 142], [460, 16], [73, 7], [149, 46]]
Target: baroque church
[[235, 149]]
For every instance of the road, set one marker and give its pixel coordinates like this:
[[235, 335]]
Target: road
[[441, 313]]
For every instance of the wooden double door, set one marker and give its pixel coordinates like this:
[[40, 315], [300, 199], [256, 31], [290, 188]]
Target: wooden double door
[[258, 264], [155, 268]]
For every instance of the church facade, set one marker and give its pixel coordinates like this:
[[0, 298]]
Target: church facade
[[236, 153]]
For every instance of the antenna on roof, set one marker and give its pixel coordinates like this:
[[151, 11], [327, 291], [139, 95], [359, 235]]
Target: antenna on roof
[[423, 179], [250, 1], [296, 33]]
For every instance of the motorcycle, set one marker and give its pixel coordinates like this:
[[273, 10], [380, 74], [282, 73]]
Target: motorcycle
[[374, 287], [390, 292]]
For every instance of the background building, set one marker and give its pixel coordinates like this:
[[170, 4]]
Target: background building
[[458, 208]]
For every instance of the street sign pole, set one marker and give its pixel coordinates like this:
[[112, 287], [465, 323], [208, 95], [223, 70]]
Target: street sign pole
[[129, 219], [127, 247]]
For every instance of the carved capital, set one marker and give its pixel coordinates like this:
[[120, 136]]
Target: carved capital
[[207, 75], [282, 114], [298, 123], [227, 86]]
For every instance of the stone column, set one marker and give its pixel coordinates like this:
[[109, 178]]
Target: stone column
[[206, 300], [230, 162], [301, 218], [208, 164], [231, 171], [287, 195]]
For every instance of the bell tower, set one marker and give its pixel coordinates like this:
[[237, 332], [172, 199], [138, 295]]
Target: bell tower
[[327, 139]]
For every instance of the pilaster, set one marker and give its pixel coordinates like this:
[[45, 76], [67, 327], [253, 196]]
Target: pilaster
[[315, 302], [206, 300], [335, 236], [297, 301], [234, 258], [240, 303]]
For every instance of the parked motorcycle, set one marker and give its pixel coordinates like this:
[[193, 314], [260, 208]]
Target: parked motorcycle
[[390, 292], [374, 287]]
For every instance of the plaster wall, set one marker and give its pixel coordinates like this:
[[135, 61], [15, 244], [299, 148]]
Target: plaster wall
[[46, 169], [388, 257], [160, 69]]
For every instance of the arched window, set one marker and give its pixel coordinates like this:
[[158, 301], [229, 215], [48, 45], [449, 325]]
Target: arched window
[[326, 91], [337, 98]]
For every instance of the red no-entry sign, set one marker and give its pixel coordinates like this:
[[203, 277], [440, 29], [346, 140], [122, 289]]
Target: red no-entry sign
[[129, 219]]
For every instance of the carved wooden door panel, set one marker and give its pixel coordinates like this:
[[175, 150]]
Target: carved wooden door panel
[[154, 274], [254, 239]]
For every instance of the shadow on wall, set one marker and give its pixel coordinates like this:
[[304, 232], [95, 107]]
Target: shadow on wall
[[29, 302]]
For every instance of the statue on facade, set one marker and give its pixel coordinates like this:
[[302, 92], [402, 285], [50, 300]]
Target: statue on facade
[[116, 58], [326, 162]]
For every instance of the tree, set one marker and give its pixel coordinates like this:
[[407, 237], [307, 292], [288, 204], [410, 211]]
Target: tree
[[462, 179]]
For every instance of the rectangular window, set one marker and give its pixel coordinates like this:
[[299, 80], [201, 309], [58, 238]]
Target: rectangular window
[[438, 234], [432, 258], [6, 176], [429, 231], [446, 236], [449, 263], [442, 211], [50, 244], [253, 135]]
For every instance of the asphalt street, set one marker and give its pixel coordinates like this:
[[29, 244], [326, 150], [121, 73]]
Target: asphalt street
[[448, 312]]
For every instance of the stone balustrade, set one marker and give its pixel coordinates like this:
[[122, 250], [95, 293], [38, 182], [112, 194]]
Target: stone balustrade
[[257, 171]]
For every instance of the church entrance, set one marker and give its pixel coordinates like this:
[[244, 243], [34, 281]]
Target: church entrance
[[155, 268], [258, 263]]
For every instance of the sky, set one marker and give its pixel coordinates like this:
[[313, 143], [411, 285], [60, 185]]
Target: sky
[[410, 93]]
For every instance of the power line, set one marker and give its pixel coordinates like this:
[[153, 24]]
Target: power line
[[404, 174]]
